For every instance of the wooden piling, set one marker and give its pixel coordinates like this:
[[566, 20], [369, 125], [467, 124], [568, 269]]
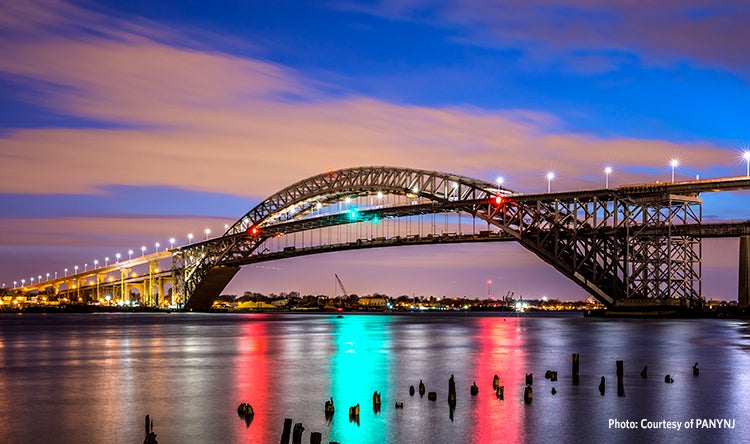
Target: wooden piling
[[297, 433], [316, 437], [602, 386], [287, 431], [576, 368], [529, 378], [620, 376]]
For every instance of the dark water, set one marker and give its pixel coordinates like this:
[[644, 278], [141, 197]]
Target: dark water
[[93, 377]]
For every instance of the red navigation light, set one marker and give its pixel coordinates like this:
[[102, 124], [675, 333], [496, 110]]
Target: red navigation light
[[254, 231], [498, 200]]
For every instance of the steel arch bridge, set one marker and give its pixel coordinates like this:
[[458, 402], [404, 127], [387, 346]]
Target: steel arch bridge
[[621, 245]]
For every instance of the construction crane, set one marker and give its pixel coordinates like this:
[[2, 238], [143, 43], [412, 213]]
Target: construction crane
[[338, 281]]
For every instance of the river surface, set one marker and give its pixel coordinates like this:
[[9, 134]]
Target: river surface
[[73, 378]]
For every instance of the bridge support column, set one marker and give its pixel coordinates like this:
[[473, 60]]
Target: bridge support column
[[743, 297]]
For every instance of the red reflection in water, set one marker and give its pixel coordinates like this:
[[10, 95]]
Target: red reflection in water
[[501, 351], [252, 380]]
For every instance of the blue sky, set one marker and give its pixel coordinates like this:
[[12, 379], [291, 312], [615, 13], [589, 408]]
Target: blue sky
[[161, 118]]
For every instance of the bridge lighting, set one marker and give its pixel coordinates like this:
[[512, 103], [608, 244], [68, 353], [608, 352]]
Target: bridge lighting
[[207, 231], [607, 172], [76, 269], [66, 272], [106, 261], [32, 281], [130, 254], [746, 156], [190, 238], [550, 176], [96, 263], [117, 257], [156, 247], [500, 180], [674, 163], [47, 276], [55, 275], [498, 200], [85, 267], [143, 250], [15, 284], [380, 194], [23, 282], [171, 243], [353, 214], [254, 231]]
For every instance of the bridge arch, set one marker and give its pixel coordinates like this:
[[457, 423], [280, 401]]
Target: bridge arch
[[620, 245], [203, 269]]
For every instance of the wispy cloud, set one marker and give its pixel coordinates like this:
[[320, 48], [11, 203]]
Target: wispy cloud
[[671, 31]]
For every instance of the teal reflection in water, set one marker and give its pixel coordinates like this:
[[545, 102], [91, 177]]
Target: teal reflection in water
[[360, 366]]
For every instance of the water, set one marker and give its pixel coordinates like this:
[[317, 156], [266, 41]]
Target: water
[[71, 378]]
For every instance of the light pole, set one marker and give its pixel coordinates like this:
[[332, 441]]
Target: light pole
[[117, 257], [550, 176], [85, 267], [208, 231], [171, 243], [47, 276], [66, 272], [32, 280], [607, 172], [143, 250], [23, 282], [106, 261], [96, 263], [156, 247], [130, 254], [674, 163], [489, 288], [76, 269], [15, 284], [746, 156], [55, 275], [190, 238]]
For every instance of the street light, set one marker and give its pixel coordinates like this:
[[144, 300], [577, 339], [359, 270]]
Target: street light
[[15, 284], [117, 257], [550, 176], [23, 282], [85, 267], [130, 254], [156, 247], [489, 288], [674, 163], [607, 172], [66, 272], [190, 238], [171, 243], [32, 281], [96, 263], [143, 250], [500, 180], [208, 231], [47, 276], [76, 269], [106, 261], [746, 156]]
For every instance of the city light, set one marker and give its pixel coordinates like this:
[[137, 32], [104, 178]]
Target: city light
[[674, 163], [550, 176], [607, 172]]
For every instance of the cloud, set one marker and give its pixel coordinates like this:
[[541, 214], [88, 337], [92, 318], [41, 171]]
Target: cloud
[[707, 33]]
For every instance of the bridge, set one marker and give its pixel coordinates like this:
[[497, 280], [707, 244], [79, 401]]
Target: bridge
[[630, 246]]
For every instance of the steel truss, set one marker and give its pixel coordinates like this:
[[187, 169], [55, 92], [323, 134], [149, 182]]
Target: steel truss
[[623, 249], [628, 244]]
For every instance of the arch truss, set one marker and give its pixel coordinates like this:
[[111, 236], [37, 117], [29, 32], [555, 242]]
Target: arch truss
[[620, 245]]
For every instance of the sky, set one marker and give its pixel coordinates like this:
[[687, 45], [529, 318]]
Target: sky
[[127, 123]]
